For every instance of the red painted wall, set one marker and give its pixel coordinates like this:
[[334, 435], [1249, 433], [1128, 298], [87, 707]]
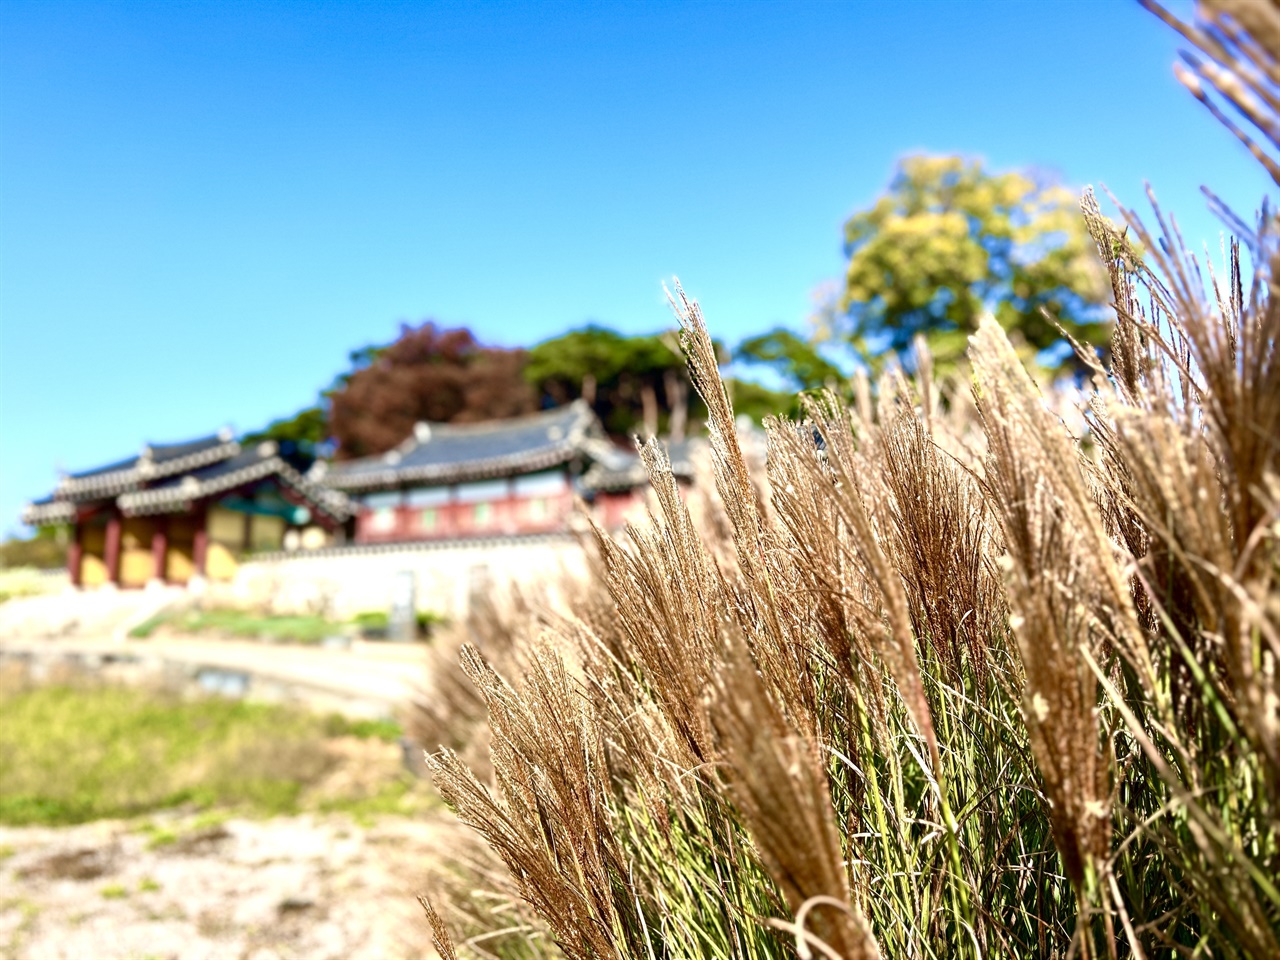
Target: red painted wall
[[508, 516]]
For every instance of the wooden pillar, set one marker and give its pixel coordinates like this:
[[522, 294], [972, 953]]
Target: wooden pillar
[[160, 549], [75, 553], [112, 550], [200, 544], [247, 535]]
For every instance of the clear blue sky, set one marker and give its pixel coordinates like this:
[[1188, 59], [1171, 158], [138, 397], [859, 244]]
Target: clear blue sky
[[204, 206]]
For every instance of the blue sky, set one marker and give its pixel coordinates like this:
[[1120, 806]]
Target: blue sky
[[204, 206]]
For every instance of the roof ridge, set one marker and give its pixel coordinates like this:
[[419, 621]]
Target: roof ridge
[[221, 436], [578, 407], [146, 468]]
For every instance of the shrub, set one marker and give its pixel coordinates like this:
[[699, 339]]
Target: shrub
[[46, 550], [377, 622]]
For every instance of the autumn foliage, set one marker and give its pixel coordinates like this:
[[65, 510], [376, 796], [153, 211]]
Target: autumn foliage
[[428, 373]]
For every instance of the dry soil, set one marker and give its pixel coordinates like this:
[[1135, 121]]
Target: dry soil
[[182, 888]]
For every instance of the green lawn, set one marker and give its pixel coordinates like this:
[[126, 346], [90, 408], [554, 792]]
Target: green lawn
[[228, 621], [70, 754], [242, 623]]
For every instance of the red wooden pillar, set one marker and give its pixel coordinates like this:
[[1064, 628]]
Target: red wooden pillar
[[200, 544], [112, 550], [75, 553], [160, 549]]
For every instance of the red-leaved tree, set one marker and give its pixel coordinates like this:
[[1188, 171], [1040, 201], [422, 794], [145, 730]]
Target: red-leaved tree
[[426, 374]]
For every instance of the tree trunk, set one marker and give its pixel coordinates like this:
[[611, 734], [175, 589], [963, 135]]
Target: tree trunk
[[677, 388], [649, 398], [589, 389]]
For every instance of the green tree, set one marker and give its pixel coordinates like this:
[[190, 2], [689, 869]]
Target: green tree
[[795, 359], [797, 362], [632, 383], [45, 549], [308, 427], [950, 241], [758, 401]]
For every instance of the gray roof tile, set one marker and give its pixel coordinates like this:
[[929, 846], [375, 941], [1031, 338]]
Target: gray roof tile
[[155, 461], [255, 463], [453, 453]]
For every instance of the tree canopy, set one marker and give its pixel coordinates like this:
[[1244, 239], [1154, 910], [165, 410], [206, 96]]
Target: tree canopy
[[309, 428], [758, 401], [790, 356], [428, 373], [46, 549], [634, 383], [949, 241]]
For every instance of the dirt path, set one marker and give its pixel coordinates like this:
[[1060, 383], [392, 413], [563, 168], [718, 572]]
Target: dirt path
[[184, 888]]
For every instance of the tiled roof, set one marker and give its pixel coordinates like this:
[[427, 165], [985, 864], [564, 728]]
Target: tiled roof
[[47, 511], [168, 478], [453, 453], [177, 493], [154, 461]]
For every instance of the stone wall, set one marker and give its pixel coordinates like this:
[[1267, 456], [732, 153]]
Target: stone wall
[[343, 581]]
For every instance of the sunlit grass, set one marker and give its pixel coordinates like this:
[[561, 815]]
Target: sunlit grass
[[306, 628], [70, 754], [291, 628]]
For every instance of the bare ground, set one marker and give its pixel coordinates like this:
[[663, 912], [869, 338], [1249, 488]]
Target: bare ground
[[186, 888]]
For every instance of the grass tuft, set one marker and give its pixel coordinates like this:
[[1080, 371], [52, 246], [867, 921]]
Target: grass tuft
[[968, 669]]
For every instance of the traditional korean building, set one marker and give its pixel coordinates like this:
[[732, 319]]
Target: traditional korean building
[[180, 511], [499, 479], [197, 510]]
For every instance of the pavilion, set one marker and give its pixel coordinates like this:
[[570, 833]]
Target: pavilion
[[181, 511], [188, 512], [502, 478]]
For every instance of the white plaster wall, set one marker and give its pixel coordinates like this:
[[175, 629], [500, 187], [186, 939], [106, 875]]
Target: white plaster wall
[[344, 581]]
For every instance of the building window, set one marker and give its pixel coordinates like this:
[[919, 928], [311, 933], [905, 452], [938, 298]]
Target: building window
[[383, 520], [483, 490], [483, 513], [545, 484], [427, 519], [422, 497]]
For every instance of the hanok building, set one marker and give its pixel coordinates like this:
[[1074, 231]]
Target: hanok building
[[180, 511], [499, 479]]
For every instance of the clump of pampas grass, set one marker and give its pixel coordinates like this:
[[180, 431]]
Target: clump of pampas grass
[[956, 676]]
